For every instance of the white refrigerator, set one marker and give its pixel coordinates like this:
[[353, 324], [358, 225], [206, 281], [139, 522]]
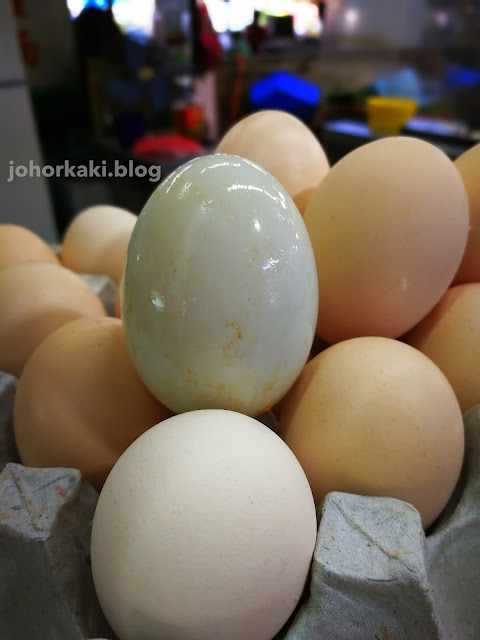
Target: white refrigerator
[[24, 201]]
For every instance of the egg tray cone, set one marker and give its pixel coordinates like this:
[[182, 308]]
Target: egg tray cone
[[375, 575], [104, 288]]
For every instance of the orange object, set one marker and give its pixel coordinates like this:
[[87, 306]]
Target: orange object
[[193, 116], [189, 120], [194, 121]]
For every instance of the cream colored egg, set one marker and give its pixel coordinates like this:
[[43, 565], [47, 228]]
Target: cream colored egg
[[18, 244], [205, 529], [97, 240], [468, 165], [36, 299], [80, 402], [388, 226], [450, 336], [220, 296], [374, 416], [283, 146]]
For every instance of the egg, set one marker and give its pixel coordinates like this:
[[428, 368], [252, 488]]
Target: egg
[[388, 226], [96, 241], [80, 402], [18, 244], [374, 416], [118, 297], [468, 165], [36, 299], [450, 336], [283, 146], [118, 303], [220, 293], [205, 529]]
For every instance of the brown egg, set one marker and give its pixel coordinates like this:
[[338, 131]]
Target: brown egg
[[374, 416], [35, 299], [277, 410], [318, 346], [18, 244], [468, 165], [282, 145], [80, 402], [388, 226], [119, 296], [118, 303], [97, 240], [450, 336]]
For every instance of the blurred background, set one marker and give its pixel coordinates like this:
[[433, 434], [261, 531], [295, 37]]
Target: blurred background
[[160, 81]]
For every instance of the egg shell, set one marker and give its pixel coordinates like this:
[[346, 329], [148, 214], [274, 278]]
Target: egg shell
[[118, 303], [284, 146], [119, 296], [373, 416], [18, 244], [468, 165], [96, 241], [80, 402], [220, 294], [450, 336], [388, 226], [205, 529], [36, 299]]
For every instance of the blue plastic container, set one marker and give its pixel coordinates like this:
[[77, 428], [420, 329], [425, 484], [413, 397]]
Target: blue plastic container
[[286, 92], [462, 78]]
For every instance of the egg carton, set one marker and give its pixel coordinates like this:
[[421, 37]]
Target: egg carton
[[104, 288], [375, 575]]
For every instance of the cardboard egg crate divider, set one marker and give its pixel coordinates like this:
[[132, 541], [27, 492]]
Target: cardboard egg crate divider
[[375, 575]]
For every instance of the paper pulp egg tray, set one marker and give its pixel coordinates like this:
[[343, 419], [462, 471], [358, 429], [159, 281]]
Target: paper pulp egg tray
[[375, 574]]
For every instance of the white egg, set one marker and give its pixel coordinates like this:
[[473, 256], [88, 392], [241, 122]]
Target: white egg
[[204, 530], [220, 295]]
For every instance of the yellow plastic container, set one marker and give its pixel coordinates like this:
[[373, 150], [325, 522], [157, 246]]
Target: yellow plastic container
[[387, 115]]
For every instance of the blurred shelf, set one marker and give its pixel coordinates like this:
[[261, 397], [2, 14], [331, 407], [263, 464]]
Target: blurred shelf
[[340, 136]]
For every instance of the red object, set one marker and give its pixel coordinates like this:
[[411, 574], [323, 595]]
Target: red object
[[61, 491], [256, 36], [209, 41], [193, 116], [167, 145]]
